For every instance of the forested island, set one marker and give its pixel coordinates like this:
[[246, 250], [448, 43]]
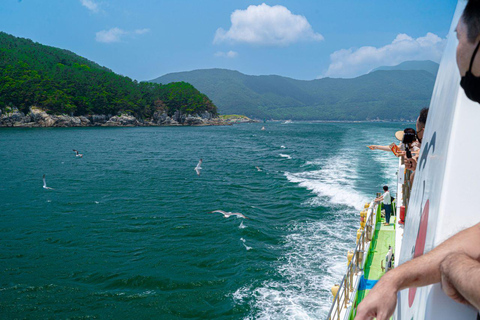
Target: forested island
[[46, 86]]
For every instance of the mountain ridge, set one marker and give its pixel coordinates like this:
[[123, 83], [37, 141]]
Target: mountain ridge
[[366, 97]]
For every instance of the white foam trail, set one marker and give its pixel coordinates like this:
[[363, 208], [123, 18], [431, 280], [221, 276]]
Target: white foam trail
[[315, 251], [285, 156], [333, 184], [306, 272]]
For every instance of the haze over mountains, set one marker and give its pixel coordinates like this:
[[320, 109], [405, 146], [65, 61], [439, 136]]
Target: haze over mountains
[[426, 65], [386, 93]]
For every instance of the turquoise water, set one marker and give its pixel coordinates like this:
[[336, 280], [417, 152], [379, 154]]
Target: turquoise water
[[126, 233]]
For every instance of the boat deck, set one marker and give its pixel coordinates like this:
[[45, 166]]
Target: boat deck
[[384, 237]]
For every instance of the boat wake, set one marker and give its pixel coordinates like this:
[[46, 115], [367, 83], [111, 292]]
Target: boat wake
[[314, 251], [305, 273], [333, 184]]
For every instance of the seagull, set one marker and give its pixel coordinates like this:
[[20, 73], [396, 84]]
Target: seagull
[[228, 214], [77, 154], [198, 167], [45, 184], [246, 247]]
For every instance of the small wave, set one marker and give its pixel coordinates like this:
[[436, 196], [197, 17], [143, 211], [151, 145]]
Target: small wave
[[242, 226], [285, 156], [283, 147]]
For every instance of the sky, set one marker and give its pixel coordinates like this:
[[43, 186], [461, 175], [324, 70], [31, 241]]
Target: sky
[[301, 39]]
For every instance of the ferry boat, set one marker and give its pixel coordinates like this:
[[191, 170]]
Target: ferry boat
[[439, 204]]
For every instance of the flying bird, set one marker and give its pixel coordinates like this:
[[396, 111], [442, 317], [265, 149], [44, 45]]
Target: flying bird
[[77, 154], [228, 214], [45, 184], [198, 168]]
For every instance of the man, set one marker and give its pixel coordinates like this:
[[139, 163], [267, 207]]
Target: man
[[468, 60], [455, 262], [387, 204]]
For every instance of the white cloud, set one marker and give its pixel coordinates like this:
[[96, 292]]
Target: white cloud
[[116, 34], [348, 63], [90, 5], [109, 36], [229, 54], [265, 25], [141, 31]]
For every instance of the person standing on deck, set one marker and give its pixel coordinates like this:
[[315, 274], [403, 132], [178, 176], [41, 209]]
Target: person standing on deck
[[387, 204]]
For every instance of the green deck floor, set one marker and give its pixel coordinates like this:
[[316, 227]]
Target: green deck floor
[[384, 237]]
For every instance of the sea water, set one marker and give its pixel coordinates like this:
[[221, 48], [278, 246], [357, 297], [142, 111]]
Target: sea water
[[126, 231]]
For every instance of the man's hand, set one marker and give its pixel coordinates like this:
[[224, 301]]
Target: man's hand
[[380, 302], [411, 164], [372, 147]]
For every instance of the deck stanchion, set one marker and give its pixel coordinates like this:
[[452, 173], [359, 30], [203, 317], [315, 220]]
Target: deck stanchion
[[351, 276], [338, 309]]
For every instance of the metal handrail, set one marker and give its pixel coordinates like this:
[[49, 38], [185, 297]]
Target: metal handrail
[[346, 288]]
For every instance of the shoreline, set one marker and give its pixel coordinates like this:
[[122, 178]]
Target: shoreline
[[37, 118]]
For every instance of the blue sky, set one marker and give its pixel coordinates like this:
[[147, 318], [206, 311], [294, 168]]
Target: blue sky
[[144, 39]]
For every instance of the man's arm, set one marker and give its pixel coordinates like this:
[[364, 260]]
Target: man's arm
[[461, 278], [421, 271]]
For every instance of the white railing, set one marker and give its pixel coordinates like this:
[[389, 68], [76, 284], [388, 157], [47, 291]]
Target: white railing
[[342, 301]]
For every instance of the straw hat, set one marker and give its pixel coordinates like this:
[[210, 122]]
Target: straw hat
[[399, 135]]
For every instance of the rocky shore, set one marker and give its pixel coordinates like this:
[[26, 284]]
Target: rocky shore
[[234, 118], [39, 118]]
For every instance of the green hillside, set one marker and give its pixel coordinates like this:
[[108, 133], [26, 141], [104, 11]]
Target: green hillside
[[388, 95], [60, 81]]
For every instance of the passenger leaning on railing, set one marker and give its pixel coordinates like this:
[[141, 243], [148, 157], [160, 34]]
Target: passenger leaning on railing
[[413, 145]]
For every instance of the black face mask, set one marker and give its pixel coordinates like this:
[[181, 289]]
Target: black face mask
[[470, 83]]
